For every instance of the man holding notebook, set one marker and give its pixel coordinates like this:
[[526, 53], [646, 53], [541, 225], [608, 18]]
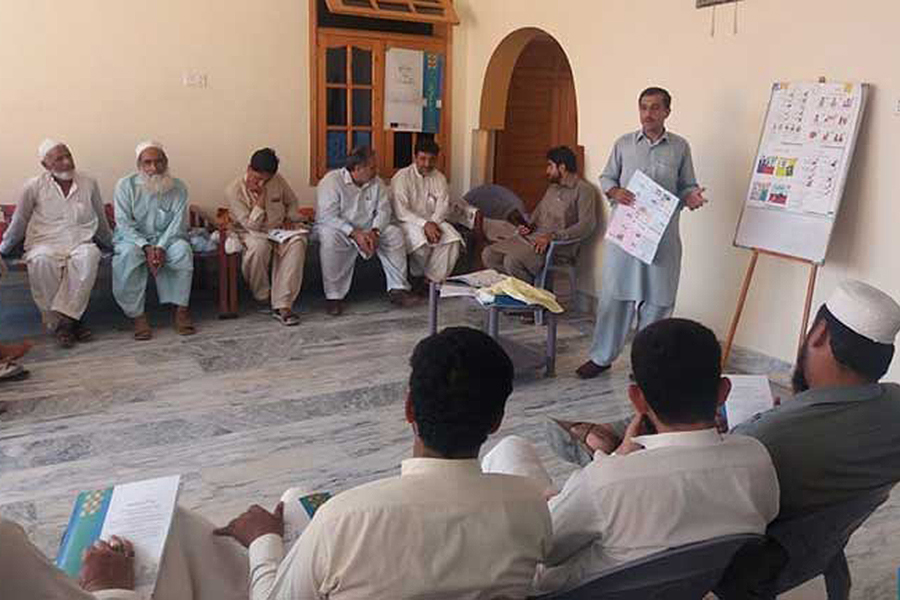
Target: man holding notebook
[[26, 574], [260, 201]]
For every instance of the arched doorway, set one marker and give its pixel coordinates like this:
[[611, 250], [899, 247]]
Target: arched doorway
[[528, 106]]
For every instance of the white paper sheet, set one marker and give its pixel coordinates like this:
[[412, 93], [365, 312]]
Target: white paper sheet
[[479, 279], [638, 228], [280, 236], [142, 513], [750, 395], [451, 290], [404, 74], [805, 150]]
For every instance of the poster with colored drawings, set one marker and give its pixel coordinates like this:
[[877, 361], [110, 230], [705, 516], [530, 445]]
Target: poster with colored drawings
[[806, 147], [638, 228]]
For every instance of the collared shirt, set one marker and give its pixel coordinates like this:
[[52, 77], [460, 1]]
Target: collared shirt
[[345, 206], [668, 162], [281, 205], [681, 488], [568, 209], [26, 574], [830, 445], [443, 529], [45, 216], [150, 219], [419, 198]]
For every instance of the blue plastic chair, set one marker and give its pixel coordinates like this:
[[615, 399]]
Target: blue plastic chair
[[801, 549], [685, 573], [497, 202]]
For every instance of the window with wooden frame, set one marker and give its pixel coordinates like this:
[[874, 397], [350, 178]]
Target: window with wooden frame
[[430, 11], [348, 86]]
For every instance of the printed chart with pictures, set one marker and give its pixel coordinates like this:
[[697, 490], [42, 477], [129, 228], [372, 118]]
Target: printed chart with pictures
[[638, 228], [806, 147]]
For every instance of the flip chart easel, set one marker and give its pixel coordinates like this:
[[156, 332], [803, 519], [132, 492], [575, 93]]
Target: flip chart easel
[[801, 167], [745, 288]]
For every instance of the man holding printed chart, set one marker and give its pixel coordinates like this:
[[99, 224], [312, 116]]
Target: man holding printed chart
[[630, 288]]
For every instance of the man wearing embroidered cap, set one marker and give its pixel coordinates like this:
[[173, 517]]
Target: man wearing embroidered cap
[[151, 237], [839, 437], [59, 215]]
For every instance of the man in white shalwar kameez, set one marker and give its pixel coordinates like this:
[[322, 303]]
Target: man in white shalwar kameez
[[352, 545], [421, 200], [353, 219], [673, 480], [59, 215], [151, 238]]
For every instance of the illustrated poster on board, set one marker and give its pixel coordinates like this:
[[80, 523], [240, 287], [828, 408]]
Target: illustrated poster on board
[[638, 228], [806, 145]]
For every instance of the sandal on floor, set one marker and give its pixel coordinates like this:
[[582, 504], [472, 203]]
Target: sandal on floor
[[286, 318], [64, 338], [183, 324], [142, 331], [565, 445], [82, 333], [13, 372]]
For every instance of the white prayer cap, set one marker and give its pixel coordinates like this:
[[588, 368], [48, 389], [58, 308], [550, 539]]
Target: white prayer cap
[[148, 144], [866, 310], [46, 146]]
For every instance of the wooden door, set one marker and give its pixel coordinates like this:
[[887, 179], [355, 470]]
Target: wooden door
[[541, 112]]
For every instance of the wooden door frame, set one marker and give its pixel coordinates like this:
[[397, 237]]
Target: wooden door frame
[[495, 99]]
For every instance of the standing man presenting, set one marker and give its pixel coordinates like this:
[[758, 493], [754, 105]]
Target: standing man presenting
[[631, 288]]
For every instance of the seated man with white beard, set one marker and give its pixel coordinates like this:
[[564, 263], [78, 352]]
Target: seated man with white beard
[[59, 214], [151, 236]]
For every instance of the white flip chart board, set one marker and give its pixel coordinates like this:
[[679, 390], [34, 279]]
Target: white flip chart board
[[801, 168]]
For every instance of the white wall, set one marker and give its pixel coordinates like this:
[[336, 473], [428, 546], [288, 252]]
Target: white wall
[[104, 74], [720, 86]]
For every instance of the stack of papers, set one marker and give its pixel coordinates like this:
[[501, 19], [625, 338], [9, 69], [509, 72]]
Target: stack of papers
[[467, 285]]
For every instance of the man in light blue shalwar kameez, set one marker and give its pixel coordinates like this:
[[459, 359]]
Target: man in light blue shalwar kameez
[[631, 290], [151, 237]]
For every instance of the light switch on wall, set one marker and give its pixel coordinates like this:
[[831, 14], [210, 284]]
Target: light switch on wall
[[194, 79], [897, 107]]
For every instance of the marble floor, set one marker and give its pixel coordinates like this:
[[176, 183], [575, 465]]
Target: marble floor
[[247, 408]]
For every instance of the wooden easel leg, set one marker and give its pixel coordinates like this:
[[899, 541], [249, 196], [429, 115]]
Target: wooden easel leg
[[742, 299], [223, 282], [233, 283], [810, 288]]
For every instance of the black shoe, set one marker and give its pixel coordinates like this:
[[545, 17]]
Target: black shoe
[[403, 299], [590, 369], [335, 308], [82, 333]]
